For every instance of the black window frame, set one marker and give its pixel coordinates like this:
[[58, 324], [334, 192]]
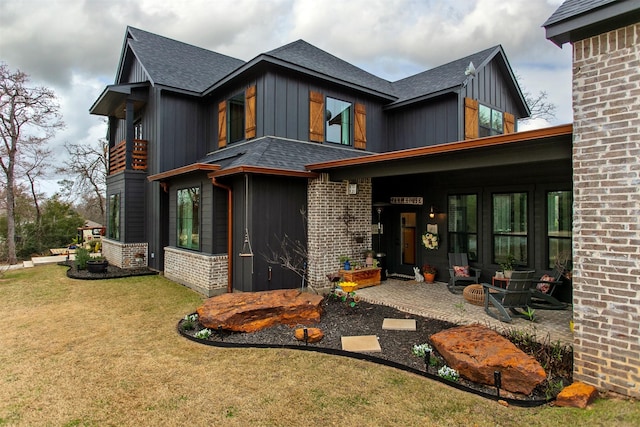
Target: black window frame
[[460, 240], [329, 119], [179, 220], [510, 234]]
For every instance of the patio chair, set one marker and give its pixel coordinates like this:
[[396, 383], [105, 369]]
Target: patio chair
[[542, 293], [516, 296], [460, 273]]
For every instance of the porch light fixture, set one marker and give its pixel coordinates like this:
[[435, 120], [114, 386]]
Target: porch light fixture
[[432, 213]]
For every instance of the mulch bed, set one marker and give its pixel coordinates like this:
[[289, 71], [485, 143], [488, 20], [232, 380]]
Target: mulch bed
[[112, 272], [340, 319]]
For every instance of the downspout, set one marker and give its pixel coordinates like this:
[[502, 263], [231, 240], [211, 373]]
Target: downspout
[[229, 232]]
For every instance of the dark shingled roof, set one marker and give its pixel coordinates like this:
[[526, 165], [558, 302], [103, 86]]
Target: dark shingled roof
[[179, 65], [437, 79], [572, 8], [314, 59], [278, 153]]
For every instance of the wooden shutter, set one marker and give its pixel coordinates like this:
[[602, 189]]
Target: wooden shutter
[[360, 127], [509, 123], [470, 118], [250, 113], [222, 124], [316, 117]]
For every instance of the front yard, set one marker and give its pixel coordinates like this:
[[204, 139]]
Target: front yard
[[107, 353]]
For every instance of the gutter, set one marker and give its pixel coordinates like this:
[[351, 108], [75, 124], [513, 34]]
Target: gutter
[[229, 231]]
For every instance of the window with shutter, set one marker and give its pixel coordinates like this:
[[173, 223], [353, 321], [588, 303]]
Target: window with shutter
[[509, 123], [470, 118], [250, 112], [338, 121], [222, 124], [360, 130], [316, 117]]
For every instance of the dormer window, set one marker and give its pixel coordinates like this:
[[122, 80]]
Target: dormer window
[[490, 121], [338, 121], [235, 118]]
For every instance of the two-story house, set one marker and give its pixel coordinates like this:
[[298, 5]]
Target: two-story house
[[214, 162]]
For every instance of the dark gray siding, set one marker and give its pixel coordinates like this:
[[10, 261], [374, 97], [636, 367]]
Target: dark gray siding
[[427, 123], [213, 217], [282, 108], [491, 87], [273, 211], [182, 138], [131, 186]]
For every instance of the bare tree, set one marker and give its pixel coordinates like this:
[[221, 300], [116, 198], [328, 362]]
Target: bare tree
[[89, 165], [33, 166], [539, 104], [29, 116]]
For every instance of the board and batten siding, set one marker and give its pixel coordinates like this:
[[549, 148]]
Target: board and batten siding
[[491, 86], [433, 122]]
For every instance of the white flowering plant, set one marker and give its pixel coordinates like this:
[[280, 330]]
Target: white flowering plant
[[421, 349], [189, 321], [448, 373], [203, 334], [430, 240]]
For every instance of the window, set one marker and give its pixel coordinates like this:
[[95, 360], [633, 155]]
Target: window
[[338, 121], [559, 225], [490, 121], [463, 225], [137, 130], [510, 227], [114, 217], [188, 218], [235, 118]]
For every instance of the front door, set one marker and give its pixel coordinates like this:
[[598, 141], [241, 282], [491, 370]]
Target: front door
[[408, 238]]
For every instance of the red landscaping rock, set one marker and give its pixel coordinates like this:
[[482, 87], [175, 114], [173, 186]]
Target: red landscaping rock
[[252, 311], [476, 352], [313, 334], [577, 395]]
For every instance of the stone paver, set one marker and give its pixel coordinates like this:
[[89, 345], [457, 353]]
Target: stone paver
[[399, 324], [435, 301], [361, 344]]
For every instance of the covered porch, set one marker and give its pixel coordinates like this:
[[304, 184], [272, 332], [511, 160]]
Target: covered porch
[[433, 300]]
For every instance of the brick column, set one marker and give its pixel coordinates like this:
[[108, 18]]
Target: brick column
[[606, 229], [329, 209]]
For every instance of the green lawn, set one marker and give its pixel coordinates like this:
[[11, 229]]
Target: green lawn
[[106, 352]]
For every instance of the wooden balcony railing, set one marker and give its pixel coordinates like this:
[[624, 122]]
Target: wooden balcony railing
[[117, 156]]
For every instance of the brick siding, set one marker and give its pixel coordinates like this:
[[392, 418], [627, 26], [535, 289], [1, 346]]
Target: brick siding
[[606, 231], [125, 255], [205, 274], [339, 224]]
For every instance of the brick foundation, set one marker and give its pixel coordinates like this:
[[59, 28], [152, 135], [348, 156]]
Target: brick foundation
[[205, 274], [606, 231], [339, 224], [125, 255]]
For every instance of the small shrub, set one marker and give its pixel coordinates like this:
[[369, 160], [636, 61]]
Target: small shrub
[[82, 256], [189, 322], [421, 349], [448, 373], [203, 334]]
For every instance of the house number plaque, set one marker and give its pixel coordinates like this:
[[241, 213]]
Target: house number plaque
[[406, 201]]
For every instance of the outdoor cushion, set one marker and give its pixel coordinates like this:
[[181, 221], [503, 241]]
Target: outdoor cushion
[[544, 285], [461, 271]]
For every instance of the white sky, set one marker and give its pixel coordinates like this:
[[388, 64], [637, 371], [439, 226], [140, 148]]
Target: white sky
[[73, 46]]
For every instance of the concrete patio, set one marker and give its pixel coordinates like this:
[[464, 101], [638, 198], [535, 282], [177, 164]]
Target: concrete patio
[[435, 301]]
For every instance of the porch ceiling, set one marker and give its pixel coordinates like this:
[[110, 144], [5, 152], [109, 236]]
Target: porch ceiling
[[520, 148], [112, 101]]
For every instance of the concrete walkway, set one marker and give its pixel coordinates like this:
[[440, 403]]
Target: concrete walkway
[[435, 301]]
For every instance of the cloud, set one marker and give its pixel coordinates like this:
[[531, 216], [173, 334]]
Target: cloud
[[74, 46]]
